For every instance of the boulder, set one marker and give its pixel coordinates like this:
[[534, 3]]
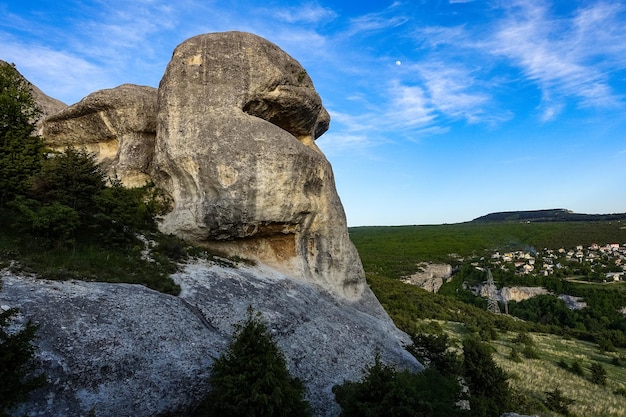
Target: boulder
[[122, 349], [235, 149], [117, 125]]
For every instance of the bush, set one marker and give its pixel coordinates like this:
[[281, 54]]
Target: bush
[[556, 401], [51, 223], [16, 365], [387, 392], [598, 374], [577, 367], [251, 378]]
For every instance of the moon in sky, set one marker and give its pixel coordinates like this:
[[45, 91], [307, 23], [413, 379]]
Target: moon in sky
[[398, 63]]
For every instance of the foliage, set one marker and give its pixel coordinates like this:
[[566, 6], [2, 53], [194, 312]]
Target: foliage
[[384, 391], [55, 222], [557, 401], [16, 363], [490, 393], [598, 374], [251, 378], [435, 351], [20, 149]]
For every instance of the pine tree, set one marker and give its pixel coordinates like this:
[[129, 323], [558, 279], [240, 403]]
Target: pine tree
[[490, 394], [20, 149], [251, 378]]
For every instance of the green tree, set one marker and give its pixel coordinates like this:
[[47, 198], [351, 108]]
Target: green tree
[[434, 350], [16, 365], [71, 178], [20, 149], [598, 374], [556, 401], [250, 379], [50, 223], [490, 394], [384, 391]]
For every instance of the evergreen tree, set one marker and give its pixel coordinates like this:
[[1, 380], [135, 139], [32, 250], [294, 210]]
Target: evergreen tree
[[20, 149], [387, 392], [598, 374], [434, 350], [16, 366], [250, 379], [490, 394]]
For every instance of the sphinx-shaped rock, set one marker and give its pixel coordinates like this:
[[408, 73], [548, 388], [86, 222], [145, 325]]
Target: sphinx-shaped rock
[[235, 148], [117, 125]]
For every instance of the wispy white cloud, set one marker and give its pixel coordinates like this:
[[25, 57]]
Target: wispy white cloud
[[409, 106], [57, 73], [567, 58], [307, 13]]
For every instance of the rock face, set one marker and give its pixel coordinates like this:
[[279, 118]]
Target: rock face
[[123, 349], [237, 124], [117, 125], [430, 276], [235, 127], [519, 293]]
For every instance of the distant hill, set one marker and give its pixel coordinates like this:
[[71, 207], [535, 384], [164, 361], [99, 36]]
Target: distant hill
[[550, 215]]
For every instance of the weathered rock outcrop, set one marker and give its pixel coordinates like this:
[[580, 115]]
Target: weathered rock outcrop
[[236, 124], [518, 293], [117, 125], [123, 349], [235, 149], [430, 276]]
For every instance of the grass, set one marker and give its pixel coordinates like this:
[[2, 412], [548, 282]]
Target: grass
[[532, 378]]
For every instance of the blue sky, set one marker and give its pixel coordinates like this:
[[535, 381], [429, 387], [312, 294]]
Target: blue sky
[[442, 111]]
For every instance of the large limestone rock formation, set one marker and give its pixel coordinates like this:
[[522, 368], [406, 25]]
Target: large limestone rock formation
[[235, 127], [117, 125], [126, 350], [237, 124]]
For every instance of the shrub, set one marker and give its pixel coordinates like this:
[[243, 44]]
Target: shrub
[[556, 401], [598, 374], [387, 392], [577, 367], [251, 378]]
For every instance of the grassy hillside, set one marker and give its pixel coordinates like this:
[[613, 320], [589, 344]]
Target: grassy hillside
[[391, 252]]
